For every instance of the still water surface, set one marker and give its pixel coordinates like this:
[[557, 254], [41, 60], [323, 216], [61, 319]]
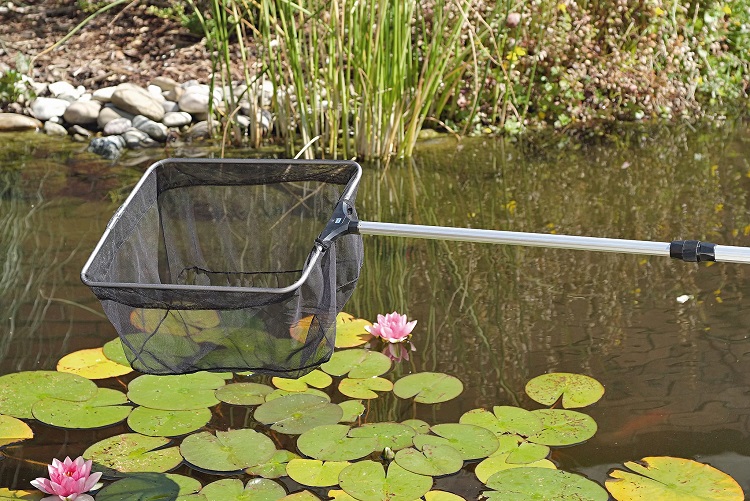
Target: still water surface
[[677, 374]]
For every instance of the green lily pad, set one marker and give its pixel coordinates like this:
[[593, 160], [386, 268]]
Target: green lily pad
[[504, 419], [419, 426], [227, 451], [232, 489], [176, 323], [114, 351], [316, 379], [432, 460], [442, 496], [364, 388], [522, 484], [19, 391], [295, 414], [528, 452], [314, 473], [392, 435], [333, 443], [350, 331], [339, 495], [357, 363], [301, 496], [243, 393], [274, 467], [472, 442], [672, 479], [7, 494], [91, 363], [176, 393], [576, 390], [428, 387], [149, 487], [103, 409], [133, 453], [352, 410], [367, 481], [161, 423], [309, 391], [13, 430], [499, 462], [563, 427]]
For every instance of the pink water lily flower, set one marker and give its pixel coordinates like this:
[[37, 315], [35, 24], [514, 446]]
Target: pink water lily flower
[[392, 328], [68, 480], [398, 351]]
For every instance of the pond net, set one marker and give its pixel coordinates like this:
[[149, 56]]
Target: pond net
[[224, 265]]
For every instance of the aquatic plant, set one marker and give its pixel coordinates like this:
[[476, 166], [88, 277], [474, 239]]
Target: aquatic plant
[[69, 480]]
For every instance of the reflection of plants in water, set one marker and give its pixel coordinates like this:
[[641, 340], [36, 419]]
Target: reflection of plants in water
[[324, 440]]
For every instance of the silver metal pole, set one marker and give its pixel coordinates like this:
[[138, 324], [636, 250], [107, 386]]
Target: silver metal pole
[[723, 253]]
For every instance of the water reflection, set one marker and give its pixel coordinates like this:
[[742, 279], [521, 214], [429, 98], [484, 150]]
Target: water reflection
[[676, 374]]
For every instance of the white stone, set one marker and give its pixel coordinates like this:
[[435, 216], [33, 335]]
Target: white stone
[[138, 101], [170, 106], [82, 112], [164, 83], [110, 112], [60, 88], [156, 92], [45, 108], [117, 126], [104, 94], [177, 119], [53, 129], [155, 130]]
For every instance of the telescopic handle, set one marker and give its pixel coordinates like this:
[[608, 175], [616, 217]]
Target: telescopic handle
[[685, 250]]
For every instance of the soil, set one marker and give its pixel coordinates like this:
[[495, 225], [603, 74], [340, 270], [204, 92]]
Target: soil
[[124, 44]]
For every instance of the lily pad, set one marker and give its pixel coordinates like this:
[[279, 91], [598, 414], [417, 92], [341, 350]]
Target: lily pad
[[576, 390], [243, 393], [358, 364], [103, 409], [13, 430], [428, 387], [333, 443], [563, 427], [7, 494], [176, 323], [432, 460], [232, 489], [114, 351], [176, 393], [309, 391], [314, 473], [19, 391], [672, 479], [161, 423], [227, 451], [91, 364], [133, 453], [352, 410], [149, 487], [392, 435], [274, 467], [472, 442], [339, 495], [504, 419], [316, 379], [499, 462], [364, 388], [367, 481], [350, 331], [528, 452], [442, 496], [300, 496], [419, 426], [295, 414], [522, 484]]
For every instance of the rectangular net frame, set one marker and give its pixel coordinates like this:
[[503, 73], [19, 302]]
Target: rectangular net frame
[[226, 265]]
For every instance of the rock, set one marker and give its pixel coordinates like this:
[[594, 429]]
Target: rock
[[266, 93], [166, 84], [174, 94], [135, 139], [169, 106], [44, 108], [117, 126], [196, 97], [110, 112], [177, 119], [58, 89], [10, 122], [53, 129], [104, 94], [108, 147], [137, 101], [243, 121], [156, 93], [77, 130], [155, 130], [82, 112], [199, 130], [265, 121]]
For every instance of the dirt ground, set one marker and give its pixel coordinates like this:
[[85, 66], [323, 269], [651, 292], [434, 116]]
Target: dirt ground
[[124, 44]]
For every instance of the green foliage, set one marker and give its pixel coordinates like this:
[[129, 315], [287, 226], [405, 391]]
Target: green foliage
[[13, 86]]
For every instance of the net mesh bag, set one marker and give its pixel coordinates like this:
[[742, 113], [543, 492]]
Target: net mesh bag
[[218, 265]]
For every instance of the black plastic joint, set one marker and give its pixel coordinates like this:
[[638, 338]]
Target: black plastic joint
[[343, 220], [692, 251]]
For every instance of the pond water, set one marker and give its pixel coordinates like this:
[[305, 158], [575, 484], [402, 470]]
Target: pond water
[[676, 373]]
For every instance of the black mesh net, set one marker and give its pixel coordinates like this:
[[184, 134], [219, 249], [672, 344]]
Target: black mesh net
[[213, 265]]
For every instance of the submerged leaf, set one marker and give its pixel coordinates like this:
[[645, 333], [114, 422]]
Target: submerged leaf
[[576, 390], [672, 479]]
